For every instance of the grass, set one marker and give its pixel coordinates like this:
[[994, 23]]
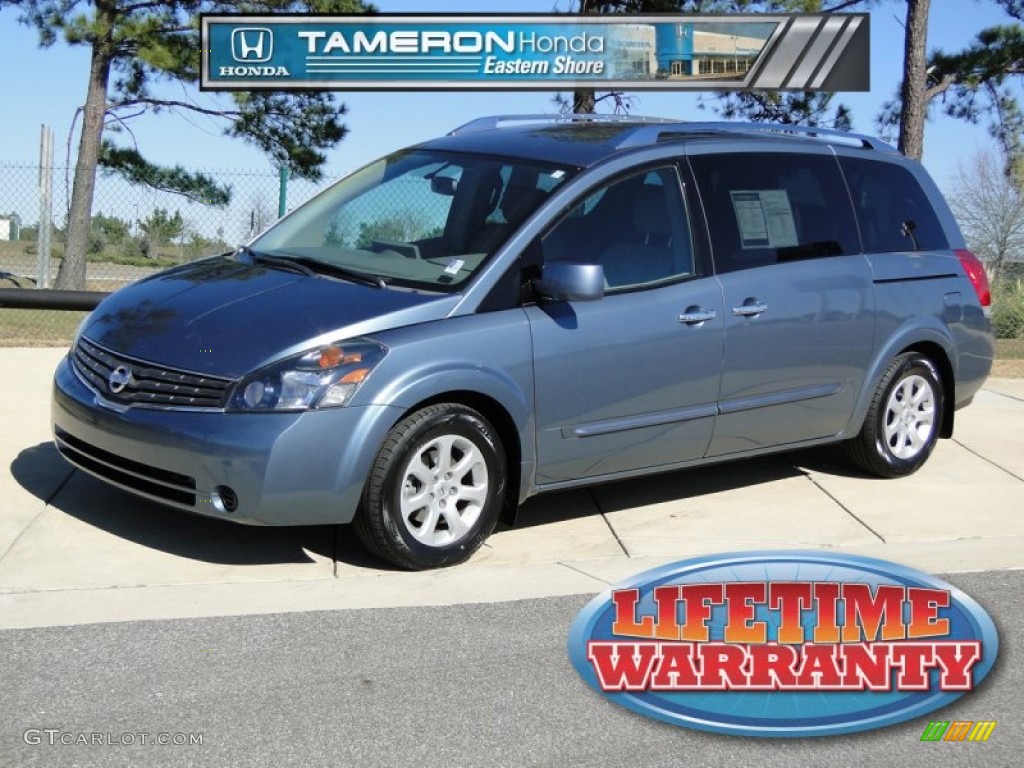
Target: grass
[[46, 327], [23, 253], [51, 328], [1009, 362], [1010, 349], [38, 327], [125, 260]]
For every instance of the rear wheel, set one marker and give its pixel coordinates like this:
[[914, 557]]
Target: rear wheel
[[436, 488], [902, 424]]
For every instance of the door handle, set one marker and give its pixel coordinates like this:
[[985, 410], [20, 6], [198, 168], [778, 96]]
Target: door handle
[[753, 309], [696, 316]]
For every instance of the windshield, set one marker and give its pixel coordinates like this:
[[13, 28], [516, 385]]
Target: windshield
[[418, 218]]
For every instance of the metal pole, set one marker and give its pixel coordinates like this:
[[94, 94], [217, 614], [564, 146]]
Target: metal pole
[[43, 234], [19, 298], [282, 193]]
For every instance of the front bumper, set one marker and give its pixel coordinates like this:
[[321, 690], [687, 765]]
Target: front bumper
[[304, 468]]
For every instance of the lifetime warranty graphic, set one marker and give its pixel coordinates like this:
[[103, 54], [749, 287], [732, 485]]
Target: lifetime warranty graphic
[[783, 643], [380, 52]]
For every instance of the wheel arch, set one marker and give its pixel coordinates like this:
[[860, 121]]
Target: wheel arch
[[938, 355], [504, 400], [506, 427], [935, 343]]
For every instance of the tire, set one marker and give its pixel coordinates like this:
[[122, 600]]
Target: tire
[[436, 489], [903, 422]]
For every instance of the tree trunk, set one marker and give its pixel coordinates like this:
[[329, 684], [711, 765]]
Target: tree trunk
[[71, 275], [914, 102], [584, 100]]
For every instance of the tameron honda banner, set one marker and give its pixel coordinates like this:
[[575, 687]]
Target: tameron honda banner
[[671, 52]]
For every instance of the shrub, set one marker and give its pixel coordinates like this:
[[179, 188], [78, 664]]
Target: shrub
[[130, 260], [97, 243], [1008, 310]]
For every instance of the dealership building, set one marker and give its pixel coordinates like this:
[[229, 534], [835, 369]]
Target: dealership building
[[682, 50]]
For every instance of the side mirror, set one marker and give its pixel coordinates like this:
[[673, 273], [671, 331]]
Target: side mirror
[[571, 281], [443, 185]]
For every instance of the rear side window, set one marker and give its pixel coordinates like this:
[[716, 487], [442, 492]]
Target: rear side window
[[773, 207], [893, 211]]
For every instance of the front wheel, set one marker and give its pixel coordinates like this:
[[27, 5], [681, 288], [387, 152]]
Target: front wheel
[[902, 424], [436, 488]]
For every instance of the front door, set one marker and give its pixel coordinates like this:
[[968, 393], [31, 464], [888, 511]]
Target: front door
[[629, 381]]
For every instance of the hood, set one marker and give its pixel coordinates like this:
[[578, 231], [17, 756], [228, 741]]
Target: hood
[[227, 318]]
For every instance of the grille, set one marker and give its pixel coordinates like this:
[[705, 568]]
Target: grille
[[132, 475], [145, 383]]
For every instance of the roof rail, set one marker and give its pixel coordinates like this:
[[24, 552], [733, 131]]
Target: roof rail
[[652, 134], [497, 121]]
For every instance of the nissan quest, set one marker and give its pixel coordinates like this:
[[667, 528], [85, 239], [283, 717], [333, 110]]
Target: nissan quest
[[533, 303]]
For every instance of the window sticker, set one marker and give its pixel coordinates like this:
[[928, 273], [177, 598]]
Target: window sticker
[[765, 218]]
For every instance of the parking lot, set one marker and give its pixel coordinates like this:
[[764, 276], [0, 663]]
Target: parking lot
[[74, 551]]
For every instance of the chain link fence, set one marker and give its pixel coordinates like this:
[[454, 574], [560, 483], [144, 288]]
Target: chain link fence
[[136, 231]]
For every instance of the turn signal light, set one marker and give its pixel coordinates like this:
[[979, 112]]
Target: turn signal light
[[356, 376], [332, 357]]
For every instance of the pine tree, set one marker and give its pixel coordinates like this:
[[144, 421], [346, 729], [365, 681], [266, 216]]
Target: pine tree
[[136, 47]]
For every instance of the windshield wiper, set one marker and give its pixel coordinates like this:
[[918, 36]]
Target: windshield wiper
[[352, 275], [313, 267], [276, 261]]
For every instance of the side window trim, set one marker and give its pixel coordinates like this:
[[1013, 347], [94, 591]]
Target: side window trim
[[852, 202], [700, 229]]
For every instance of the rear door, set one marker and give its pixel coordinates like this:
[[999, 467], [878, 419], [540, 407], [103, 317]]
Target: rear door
[[629, 381], [798, 295]]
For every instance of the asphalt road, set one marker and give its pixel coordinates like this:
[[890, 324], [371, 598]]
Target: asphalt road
[[463, 686]]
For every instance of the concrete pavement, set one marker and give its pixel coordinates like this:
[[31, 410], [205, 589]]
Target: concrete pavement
[[75, 551]]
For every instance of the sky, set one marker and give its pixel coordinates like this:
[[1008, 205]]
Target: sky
[[46, 86]]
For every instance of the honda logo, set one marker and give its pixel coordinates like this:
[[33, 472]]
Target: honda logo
[[252, 44]]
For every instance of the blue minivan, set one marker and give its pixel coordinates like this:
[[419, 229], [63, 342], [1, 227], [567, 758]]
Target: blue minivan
[[534, 303]]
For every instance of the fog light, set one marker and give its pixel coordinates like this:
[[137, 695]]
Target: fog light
[[224, 499]]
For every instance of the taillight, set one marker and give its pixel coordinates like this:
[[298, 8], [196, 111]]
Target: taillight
[[976, 273]]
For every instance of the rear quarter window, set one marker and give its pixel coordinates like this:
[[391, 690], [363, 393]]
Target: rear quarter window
[[893, 212], [765, 208]]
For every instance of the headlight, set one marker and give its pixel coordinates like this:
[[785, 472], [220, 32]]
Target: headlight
[[325, 377]]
